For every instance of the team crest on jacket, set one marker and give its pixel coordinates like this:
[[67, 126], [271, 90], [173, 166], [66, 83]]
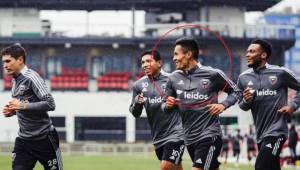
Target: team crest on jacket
[[21, 89], [273, 79], [145, 84], [205, 83]]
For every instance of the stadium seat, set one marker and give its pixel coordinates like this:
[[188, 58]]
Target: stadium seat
[[114, 81], [70, 79], [7, 82], [139, 75]]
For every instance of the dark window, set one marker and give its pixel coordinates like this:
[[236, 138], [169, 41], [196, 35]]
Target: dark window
[[222, 63], [73, 61], [35, 63], [59, 123], [228, 120], [100, 128], [104, 64], [142, 129]]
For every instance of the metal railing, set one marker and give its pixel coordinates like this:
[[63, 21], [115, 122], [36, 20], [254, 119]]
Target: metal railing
[[230, 30], [223, 29]]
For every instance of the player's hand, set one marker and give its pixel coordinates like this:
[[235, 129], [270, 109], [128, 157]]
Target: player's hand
[[248, 94], [7, 112], [15, 104], [216, 109], [286, 110], [140, 99], [170, 102]]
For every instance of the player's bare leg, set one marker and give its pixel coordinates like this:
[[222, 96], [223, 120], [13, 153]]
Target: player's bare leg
[[179, 167], [166, 165]]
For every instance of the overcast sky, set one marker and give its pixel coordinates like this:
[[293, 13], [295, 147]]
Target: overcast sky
[[279, 7]]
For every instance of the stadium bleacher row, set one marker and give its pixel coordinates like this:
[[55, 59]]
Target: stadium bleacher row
[[7, 82], [109, 76], [70, 79], [79, 80], [114, 81]]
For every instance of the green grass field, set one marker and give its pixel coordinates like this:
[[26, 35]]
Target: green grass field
[[117, 162]]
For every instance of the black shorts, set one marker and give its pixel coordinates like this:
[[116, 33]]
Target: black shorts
[[171, 152], [269, 151], [27, 152], [225, 148], [204, 153], [251, 149], [236, 152]]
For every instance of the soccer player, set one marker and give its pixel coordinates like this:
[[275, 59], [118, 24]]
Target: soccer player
[[236, 145], [265, 89], [225, 147], [166, 128], [37, 139], [251, 141], [194, 89], [292, 143]]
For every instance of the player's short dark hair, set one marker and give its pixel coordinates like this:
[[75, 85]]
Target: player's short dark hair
[[265, 45], [16, 51], [189, 44], [155, 53]]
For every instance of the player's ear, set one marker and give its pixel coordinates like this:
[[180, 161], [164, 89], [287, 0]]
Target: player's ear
[[160, 63], [21, 59], [264, 55], [189, 54]]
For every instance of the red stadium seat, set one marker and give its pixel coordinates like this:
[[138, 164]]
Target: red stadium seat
[[114, 81], [7, 82], [70, 81]]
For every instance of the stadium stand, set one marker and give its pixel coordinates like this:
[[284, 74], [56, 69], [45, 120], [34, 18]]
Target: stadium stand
[[70, 79], [7, 82], [139, 75], [114, 81]]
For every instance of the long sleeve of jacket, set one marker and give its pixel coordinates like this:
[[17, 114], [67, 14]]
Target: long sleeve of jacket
[[242, 103], [294, 83], [135, 108], [40, 89], [230, 88], [169, 91]]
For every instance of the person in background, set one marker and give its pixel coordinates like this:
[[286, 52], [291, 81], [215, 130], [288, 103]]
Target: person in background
[[292, 143], [236, 145], [251, 142], [226, 141]]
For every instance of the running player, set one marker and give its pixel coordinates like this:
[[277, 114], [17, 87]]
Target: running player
[[166, 128], [38, 139], [236, 145], [226, 140], [194, 89], [265, 89], [251, 141]]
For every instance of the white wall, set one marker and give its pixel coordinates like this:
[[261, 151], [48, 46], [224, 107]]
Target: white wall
[[18, 20], [234, 19], [233, 15], [71, 104]]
